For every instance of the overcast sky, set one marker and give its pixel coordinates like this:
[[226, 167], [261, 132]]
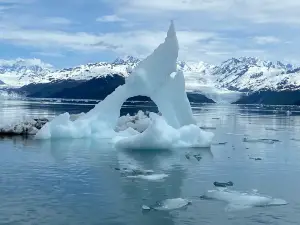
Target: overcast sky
[[70, 32]]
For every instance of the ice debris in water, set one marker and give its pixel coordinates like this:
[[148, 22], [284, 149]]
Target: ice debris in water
[[208, 128], [150, 177], [168, 204], [239, 200], [223, 184], [261, 140], [152, 78], [26, 126], [138, 173]]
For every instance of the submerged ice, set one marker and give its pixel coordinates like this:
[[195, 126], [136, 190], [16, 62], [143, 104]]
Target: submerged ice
[[157, 78]]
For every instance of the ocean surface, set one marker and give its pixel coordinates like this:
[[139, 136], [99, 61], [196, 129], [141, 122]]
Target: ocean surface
[[83, 181]]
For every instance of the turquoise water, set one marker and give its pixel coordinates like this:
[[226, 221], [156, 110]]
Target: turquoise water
[[78, 181]]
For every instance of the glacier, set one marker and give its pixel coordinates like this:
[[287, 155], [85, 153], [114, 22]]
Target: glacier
[[6, 95], [219, 95], [156, 77]]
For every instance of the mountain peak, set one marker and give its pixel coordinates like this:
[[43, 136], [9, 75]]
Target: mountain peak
[[126, 60], [255, 61]]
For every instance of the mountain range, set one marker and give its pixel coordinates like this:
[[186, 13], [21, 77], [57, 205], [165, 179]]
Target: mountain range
[[245, 74]]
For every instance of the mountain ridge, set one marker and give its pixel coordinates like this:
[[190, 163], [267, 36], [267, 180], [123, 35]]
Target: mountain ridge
[[244, 74]]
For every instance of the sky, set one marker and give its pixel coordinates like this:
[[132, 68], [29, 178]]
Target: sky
[[66, 33]]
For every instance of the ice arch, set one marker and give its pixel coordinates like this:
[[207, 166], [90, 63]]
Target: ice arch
[[155, 77], [152, 78]]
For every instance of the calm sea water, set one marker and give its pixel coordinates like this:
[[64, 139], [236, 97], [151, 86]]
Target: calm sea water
[[75, 181]]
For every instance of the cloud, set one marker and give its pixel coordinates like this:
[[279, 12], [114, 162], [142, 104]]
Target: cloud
[[263, 40], [255, 11], [28, 62], [208, 30], [110, 18], [137, 42]]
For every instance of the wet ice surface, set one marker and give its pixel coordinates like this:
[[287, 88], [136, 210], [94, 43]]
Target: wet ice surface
[[168, 204], [86, 182], [240, 201]]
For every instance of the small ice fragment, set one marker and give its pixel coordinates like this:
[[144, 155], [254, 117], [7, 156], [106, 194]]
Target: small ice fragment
[[220, 143], [145, 207], [187, 156], [198, 157], [256, 159], [152, 177], [171, 204], [223, 184]]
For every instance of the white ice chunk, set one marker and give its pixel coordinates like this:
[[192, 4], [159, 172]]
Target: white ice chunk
[[238, 200], [151, 177], [169, 204], [160, 135], [140, 122]]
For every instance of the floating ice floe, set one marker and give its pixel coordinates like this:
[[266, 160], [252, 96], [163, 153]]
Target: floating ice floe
[[261, 140], [155, 77], [168, 204], [150, 177], [134, 172], [239, 201]]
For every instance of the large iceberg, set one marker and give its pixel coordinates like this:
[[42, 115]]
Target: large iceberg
[[157, 78]]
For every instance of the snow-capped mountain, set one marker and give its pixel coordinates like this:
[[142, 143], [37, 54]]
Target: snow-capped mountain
[[242, 74], [23, 71], [253, 74]]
